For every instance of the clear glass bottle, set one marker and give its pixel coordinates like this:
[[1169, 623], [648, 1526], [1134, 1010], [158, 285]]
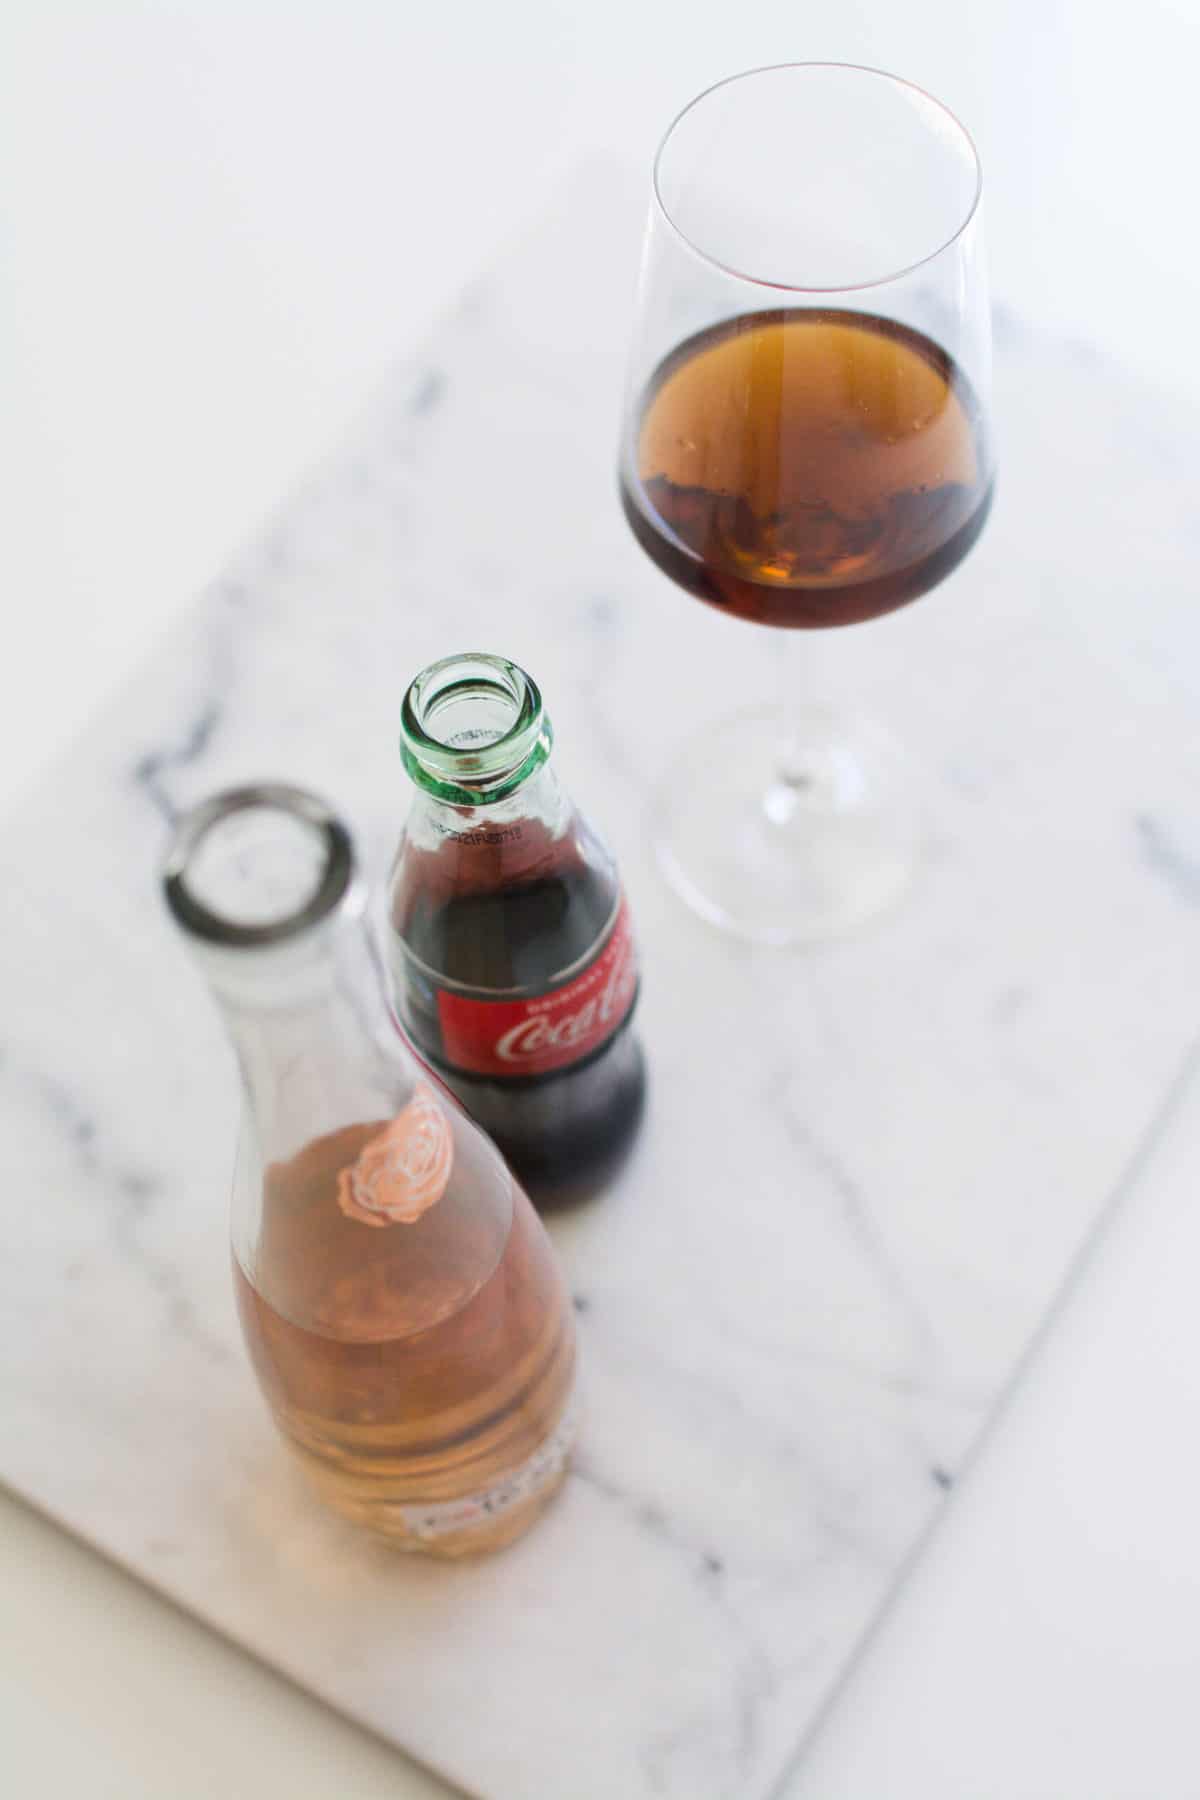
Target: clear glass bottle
[[513, 964], [403, 1308]]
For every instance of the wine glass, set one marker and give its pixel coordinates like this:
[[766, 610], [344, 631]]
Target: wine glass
[[806, 444]]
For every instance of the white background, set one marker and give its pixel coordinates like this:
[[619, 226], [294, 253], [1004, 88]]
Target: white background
[[219, 222]]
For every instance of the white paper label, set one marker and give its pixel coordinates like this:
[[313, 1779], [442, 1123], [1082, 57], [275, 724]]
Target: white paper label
[[535, 1474]]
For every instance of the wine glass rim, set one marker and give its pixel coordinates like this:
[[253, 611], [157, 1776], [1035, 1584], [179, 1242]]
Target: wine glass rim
[[790, 287]]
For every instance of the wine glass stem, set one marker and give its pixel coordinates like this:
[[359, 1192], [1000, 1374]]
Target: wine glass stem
[[812, 688]]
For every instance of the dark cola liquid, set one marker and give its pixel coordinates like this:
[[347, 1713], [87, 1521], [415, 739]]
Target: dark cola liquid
[[808, 467], [515, 910]]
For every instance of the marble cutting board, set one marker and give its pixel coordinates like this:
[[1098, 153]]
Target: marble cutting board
[[867, 1168]]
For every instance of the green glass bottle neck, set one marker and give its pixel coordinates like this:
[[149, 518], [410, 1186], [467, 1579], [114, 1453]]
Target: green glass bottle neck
[[538, 798], [473, 731]]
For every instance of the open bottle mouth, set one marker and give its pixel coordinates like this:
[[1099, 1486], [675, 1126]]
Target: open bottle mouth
[[256, 866], [472, 728]]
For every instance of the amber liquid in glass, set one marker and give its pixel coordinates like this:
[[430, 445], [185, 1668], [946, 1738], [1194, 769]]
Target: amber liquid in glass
[[422, 1372], [808, 467]]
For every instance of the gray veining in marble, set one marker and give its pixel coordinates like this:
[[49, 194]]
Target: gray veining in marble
[[867, 1168]]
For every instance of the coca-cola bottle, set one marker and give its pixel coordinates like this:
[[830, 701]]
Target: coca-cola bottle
[[399, 1297], [513, 960]]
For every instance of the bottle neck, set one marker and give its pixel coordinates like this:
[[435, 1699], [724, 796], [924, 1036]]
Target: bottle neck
[[523, 825], [262, 882], [315, 1044], [473, 731]]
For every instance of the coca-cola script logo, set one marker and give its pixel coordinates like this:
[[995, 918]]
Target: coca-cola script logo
[[532, 1037]]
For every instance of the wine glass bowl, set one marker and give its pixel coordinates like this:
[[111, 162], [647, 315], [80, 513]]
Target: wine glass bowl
[[807, 466]]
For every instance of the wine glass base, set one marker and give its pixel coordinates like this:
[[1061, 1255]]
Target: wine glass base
[[789, 827]]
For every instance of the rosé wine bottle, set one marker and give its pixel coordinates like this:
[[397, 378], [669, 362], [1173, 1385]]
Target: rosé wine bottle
[[403, 1309]]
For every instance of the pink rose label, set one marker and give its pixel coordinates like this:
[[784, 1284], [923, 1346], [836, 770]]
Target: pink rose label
[[404, 1169]]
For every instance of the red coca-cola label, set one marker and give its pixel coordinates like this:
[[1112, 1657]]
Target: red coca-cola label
[[549, 1031]]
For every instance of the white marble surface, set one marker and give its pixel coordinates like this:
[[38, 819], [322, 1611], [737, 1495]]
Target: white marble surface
[[796, 1322]]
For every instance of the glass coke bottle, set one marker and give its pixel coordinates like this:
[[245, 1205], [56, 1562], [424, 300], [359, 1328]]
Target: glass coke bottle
[[513, 964], [402, 1306]]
